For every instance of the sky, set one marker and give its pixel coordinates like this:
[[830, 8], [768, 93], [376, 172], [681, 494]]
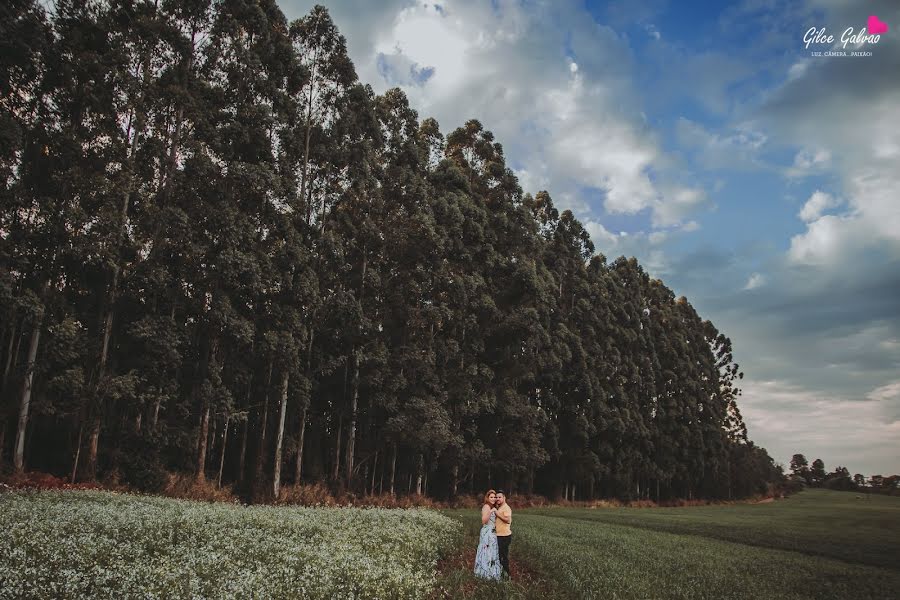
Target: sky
[[754, 174]]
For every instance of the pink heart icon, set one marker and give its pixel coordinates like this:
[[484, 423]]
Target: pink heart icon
[[876, 26]]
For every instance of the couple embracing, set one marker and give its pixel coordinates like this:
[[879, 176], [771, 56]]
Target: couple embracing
[[495, 537]]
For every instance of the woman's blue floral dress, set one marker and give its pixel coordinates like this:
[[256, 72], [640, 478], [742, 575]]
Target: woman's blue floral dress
[[487, 559]]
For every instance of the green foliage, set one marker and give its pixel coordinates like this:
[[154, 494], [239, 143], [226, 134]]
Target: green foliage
[[139, 463]]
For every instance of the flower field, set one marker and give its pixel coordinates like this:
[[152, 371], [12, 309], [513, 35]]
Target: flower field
[[104, 545]]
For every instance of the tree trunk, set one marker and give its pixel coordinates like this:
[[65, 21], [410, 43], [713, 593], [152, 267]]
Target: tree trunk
[[263, 425], [179, 121], [213, 436], [9, 360], [298, 472], [374, 470], [454, 480], [351, 434], [114, 284], [93, 444], [77, 450], [222, 456], [393, 468], [354, 386], [205, 410], [304, 173], [243, 453], [25, 400], [419, 467], [279, 438], [202, 439], [242, 460], [155, 419], [337, 450]]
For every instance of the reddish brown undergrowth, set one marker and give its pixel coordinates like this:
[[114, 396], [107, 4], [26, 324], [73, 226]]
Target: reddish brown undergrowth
[[32, 480], [319, 494]]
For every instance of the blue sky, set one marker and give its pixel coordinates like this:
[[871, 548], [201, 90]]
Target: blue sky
[[758, 180]]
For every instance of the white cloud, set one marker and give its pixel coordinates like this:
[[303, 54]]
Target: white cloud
[[594, 148], [676, 203], [604, 240], [798, 69], [427, 37], [806, 159], [658, 237], [891, 391], [755, 281], [852, 134], [787, 419], [399, 69], [533, 179], [817, 204], [872, 222], [570, 121], [737, 148], [809, 162], [823, 242]]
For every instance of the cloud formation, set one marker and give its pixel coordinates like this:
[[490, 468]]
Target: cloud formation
[[552, 84]]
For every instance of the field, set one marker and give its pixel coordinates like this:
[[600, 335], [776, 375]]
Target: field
[[817, 544], [103, 545]]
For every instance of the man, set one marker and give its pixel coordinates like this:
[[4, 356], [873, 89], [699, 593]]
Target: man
[[504, 533]]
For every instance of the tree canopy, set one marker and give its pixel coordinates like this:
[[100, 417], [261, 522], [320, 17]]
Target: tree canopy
[[223, 254]]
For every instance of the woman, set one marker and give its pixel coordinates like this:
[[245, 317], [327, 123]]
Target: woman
[[487, 559]]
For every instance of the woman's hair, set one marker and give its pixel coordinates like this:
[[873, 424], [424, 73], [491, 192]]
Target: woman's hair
[[487, 495]]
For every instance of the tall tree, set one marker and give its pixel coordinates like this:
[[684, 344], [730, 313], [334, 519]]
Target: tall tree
[[800, 467], [817, 472]]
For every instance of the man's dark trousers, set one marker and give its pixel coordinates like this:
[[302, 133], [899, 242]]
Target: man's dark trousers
[[503, 542]]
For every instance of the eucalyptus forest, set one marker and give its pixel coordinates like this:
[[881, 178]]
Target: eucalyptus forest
[[223, 255]]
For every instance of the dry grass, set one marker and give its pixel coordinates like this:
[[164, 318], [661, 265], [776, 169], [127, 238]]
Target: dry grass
[[32, 480], [182, 485], [187, 487]]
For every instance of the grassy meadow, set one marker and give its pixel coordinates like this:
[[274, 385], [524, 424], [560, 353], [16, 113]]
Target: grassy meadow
[[80, 544], [817, 544]]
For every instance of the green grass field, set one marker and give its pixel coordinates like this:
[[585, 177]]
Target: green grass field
[[817, 544]]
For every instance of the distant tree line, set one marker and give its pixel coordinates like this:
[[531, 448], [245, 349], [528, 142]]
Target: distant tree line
[[839, 479], [222, 254]]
